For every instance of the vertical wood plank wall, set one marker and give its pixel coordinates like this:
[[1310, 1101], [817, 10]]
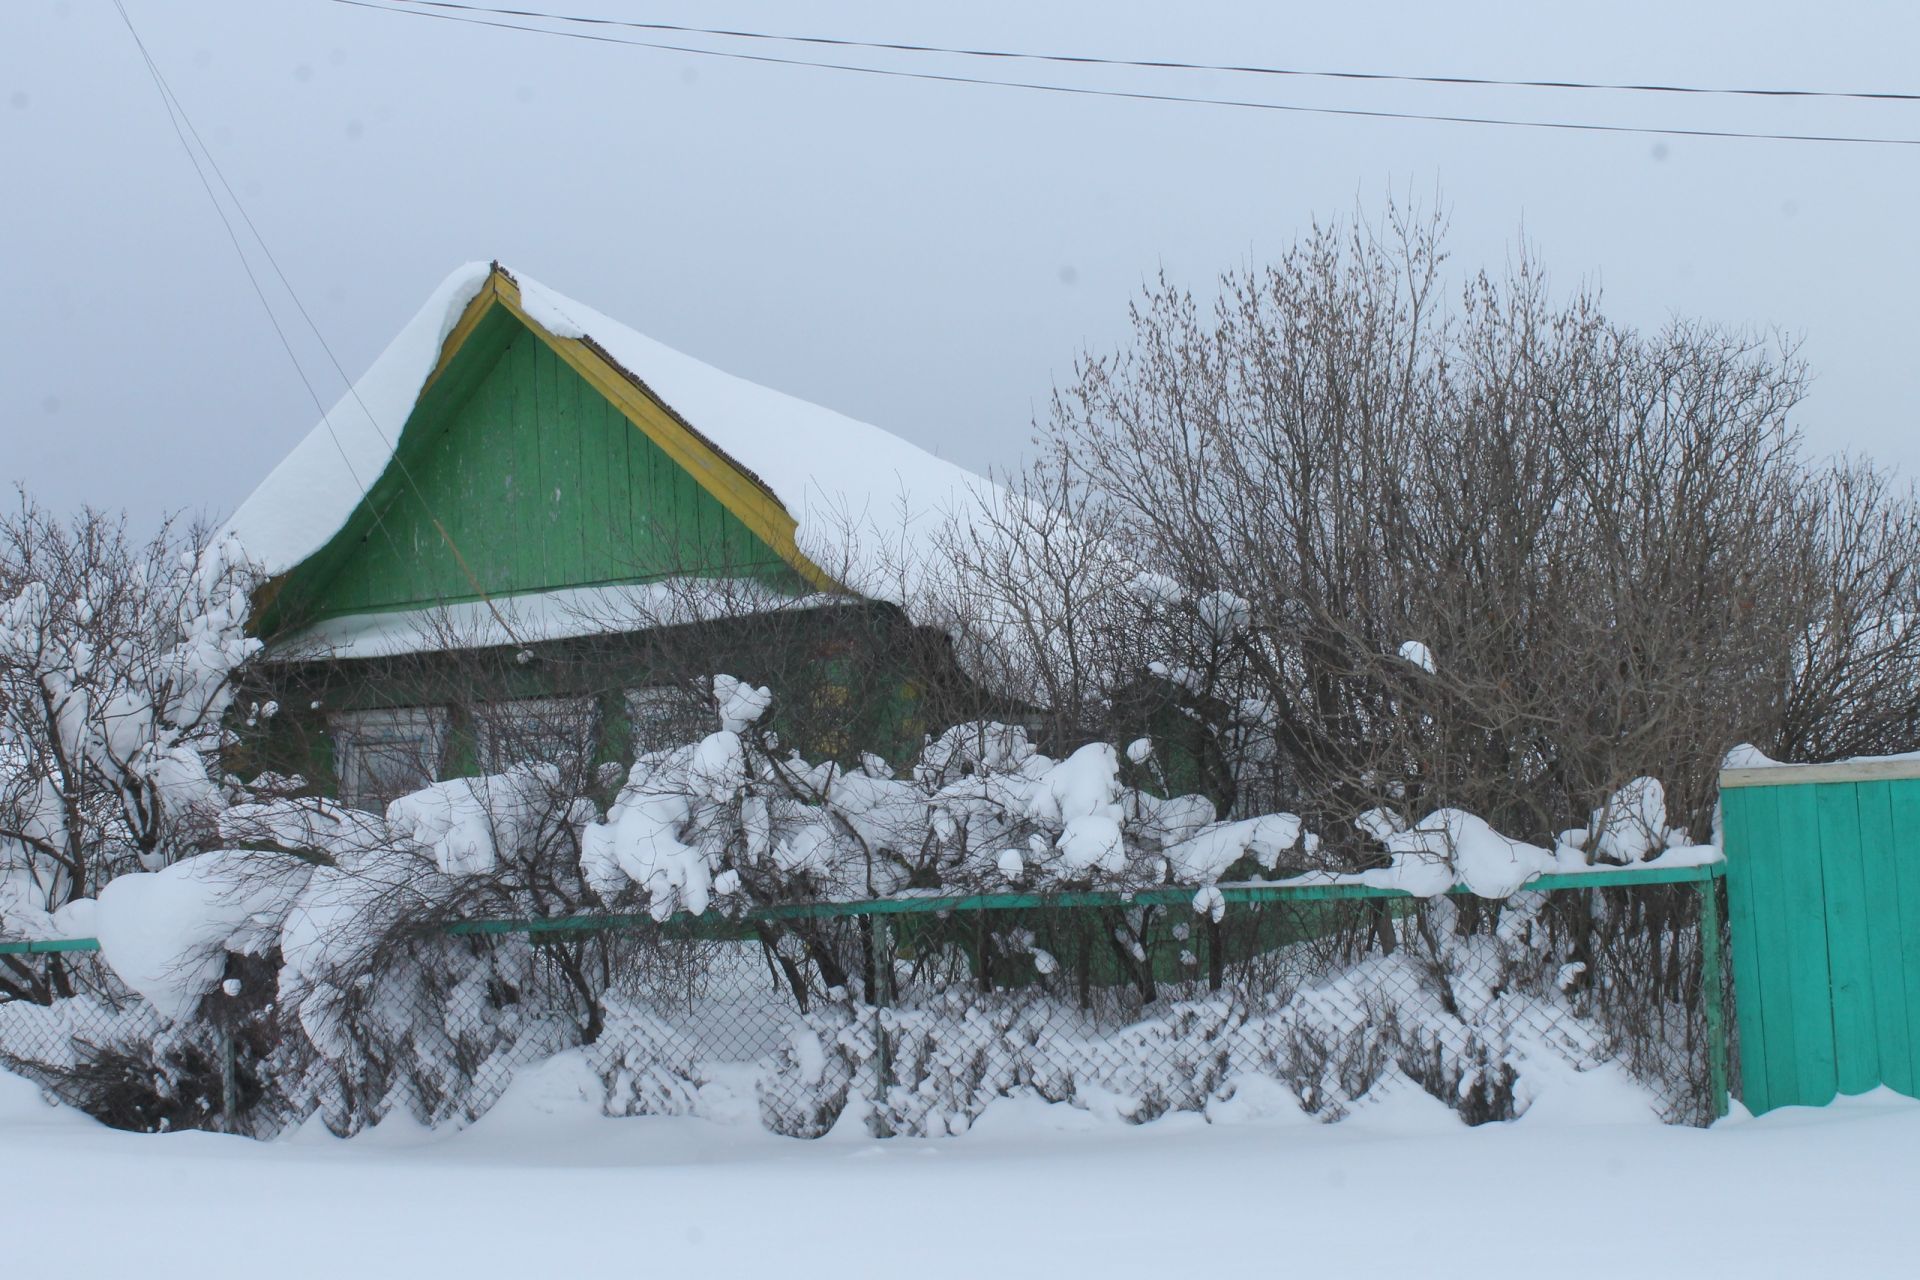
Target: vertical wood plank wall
[[1823, 890], [541, 483]]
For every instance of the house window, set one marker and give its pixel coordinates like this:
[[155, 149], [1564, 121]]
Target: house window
[[666, 716], [560, 731], [830, 714], [385, 754]]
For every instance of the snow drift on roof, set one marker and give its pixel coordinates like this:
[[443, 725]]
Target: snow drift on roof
[[866, 503], [564, 614], [305, 500]]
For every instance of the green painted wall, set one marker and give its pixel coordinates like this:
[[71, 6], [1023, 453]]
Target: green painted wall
[[539, 481], [1823, 886]]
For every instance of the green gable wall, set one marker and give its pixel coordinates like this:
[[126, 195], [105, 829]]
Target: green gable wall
[[541, 484]]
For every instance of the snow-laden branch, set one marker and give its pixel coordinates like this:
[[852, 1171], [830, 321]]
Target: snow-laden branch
[[117, 667]]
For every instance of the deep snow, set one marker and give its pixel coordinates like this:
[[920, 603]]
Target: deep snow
[[544, 1185]]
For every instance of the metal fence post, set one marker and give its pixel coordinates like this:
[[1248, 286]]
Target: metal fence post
[[882, 1066], [1713, 975], [229, 1078]]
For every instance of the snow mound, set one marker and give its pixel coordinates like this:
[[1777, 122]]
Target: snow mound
[[466, 822], [1452, 846], [167, 933], [1632, 825], [23, 1102]]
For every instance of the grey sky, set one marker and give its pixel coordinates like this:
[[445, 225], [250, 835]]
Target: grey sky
[[929, 257]]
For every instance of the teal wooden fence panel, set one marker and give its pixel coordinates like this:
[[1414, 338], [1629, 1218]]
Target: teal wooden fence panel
[[1823, 887]]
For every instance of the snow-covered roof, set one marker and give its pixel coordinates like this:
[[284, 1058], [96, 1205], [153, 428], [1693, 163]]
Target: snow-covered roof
[[864, 501], [565, 614]]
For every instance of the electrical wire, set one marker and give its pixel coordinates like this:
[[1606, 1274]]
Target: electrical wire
[[174, 116], [177, 115], [1139, 95], [1165, 64]]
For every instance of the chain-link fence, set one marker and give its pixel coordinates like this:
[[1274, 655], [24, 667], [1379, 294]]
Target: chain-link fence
[[910, 1016]]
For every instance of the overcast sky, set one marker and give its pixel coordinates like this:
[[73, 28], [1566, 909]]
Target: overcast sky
[[929, 257]]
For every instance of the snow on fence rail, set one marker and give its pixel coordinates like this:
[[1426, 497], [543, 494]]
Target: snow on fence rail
[[1306, 888], [1319, 993]]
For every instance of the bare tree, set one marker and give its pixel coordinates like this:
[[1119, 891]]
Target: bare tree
[[1611, 547]]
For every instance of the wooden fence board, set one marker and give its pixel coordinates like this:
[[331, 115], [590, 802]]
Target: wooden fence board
[[1746, 815], [1904, 804], [1856, 1039], [1880, 883], [1803, 914], [1765, 866]]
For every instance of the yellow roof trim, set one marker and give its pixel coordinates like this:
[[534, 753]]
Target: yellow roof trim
[[720, 475]]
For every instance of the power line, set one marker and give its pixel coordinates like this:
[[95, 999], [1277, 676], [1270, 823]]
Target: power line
[[1168, 64], [1139, 95], [177, 115]]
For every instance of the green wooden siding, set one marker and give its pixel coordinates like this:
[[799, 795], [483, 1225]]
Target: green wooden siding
[[540, 483], [1823, 883]]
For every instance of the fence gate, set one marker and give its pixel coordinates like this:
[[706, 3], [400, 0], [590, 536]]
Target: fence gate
[[1823, 890]]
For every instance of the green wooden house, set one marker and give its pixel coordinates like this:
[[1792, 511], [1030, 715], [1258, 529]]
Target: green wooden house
[[528, 526]]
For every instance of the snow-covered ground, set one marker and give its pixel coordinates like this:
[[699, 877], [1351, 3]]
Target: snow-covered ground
[[545, 1186]]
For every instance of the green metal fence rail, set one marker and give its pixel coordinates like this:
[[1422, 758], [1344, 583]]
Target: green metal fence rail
[[47, 946], [926, 904], [1624, 878]]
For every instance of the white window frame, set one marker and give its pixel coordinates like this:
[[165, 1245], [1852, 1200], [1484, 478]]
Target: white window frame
[[359, 734], [489, 719]]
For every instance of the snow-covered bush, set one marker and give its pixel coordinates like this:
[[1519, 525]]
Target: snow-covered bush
[[733, 819], [314, 938], [117, 664], [1465, 1016], [646, 1067], [816, 1071]]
